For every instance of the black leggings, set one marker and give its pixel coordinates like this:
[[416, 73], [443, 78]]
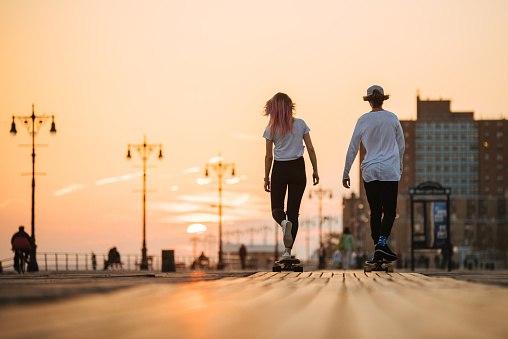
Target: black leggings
[[290, 176], [382, 197]]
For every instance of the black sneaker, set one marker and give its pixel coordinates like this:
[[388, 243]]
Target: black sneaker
[[385, 253], [378, 256]]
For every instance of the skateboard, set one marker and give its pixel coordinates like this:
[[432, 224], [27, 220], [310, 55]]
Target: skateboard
[[288, 265], [382, 265]]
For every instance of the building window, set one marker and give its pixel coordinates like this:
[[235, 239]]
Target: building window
[[487, 178], [499, 157], [499, 135], [499, 178], [500, 189], [486, 157]]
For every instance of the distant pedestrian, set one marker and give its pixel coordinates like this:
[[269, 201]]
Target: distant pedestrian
[[113, 259], [381, 134], [337, 259], [94, 262], [243, 255], [201, 262], [21, 242], [285, 136], [322, 256], [346, 246]]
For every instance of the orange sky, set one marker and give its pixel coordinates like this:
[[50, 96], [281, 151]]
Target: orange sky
[[194, 76]]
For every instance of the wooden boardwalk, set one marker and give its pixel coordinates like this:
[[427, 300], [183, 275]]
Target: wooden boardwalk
[[329, 304]]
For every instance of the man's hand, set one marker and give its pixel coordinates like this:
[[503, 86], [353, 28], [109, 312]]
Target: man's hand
[[346, 183], [267, 185]]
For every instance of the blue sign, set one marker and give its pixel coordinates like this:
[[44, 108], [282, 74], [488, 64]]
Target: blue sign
[[439, 232]]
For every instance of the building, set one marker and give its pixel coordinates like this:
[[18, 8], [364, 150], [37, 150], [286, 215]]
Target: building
[[467, 155]]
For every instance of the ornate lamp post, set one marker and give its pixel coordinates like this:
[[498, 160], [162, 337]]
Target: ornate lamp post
[[220, 167], [320, 193], [33, 123], [144, 151]]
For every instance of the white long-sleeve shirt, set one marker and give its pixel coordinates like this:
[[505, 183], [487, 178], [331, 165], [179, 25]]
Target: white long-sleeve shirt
[[383, 138]]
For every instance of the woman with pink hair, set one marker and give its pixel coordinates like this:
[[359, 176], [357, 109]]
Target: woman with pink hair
[[285, 136]]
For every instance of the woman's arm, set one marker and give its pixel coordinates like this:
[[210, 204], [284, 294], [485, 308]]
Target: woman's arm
[[268, 163], [313, 158]]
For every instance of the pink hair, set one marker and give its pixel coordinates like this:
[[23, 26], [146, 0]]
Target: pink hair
[[280, 109]]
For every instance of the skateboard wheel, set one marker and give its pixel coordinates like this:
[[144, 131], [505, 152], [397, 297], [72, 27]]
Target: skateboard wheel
[[277, 269], [390, 269], [367, 269]]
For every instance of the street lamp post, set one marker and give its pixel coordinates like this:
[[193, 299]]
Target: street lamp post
[[320, 193], [33, 123], [144, 151], [220, 168]]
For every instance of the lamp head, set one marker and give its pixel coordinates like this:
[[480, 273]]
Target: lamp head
[[13, 127], [53, 129]]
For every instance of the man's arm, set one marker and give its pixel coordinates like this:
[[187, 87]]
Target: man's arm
[[352, 151], [402, 145]]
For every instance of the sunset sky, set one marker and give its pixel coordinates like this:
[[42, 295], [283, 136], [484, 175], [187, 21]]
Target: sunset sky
[[194, 77]]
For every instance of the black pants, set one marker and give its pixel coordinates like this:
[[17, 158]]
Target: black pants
[[382, 197], [288, 176]]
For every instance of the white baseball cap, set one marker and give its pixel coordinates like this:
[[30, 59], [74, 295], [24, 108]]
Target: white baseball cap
[[371, 89]]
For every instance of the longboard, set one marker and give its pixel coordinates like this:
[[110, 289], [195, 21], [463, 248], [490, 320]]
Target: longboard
[[383, 265], [292, 264]]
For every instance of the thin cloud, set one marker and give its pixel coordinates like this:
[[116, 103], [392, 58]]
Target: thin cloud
[[247, 137], [69, 189], [6, 203], [117, 179], [191, 170]]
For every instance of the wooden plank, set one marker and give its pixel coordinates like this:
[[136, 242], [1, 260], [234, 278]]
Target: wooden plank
[[346, 304]]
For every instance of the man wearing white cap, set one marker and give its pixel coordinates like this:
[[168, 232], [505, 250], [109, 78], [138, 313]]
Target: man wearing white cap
[[382, 136]]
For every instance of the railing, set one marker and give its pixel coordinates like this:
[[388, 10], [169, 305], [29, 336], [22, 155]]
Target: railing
[[58, 261]]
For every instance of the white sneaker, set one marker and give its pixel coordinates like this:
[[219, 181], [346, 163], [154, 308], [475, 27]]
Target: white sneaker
[[286, 231], [286, 256]]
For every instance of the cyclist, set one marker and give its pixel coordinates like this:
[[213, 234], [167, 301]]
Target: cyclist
[[21, 244]]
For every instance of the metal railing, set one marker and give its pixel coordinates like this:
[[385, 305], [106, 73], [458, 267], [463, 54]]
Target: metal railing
[[61, 261]]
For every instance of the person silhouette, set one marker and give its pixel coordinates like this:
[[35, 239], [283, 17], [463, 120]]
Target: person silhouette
[[381, 134], [243, 255], [285, 136], [21, 243]]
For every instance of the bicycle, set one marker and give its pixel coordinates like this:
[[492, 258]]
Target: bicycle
[[22, 256]]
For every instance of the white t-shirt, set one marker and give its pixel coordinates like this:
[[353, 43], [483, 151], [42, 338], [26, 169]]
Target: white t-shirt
[[383, 138], [290, 147]]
